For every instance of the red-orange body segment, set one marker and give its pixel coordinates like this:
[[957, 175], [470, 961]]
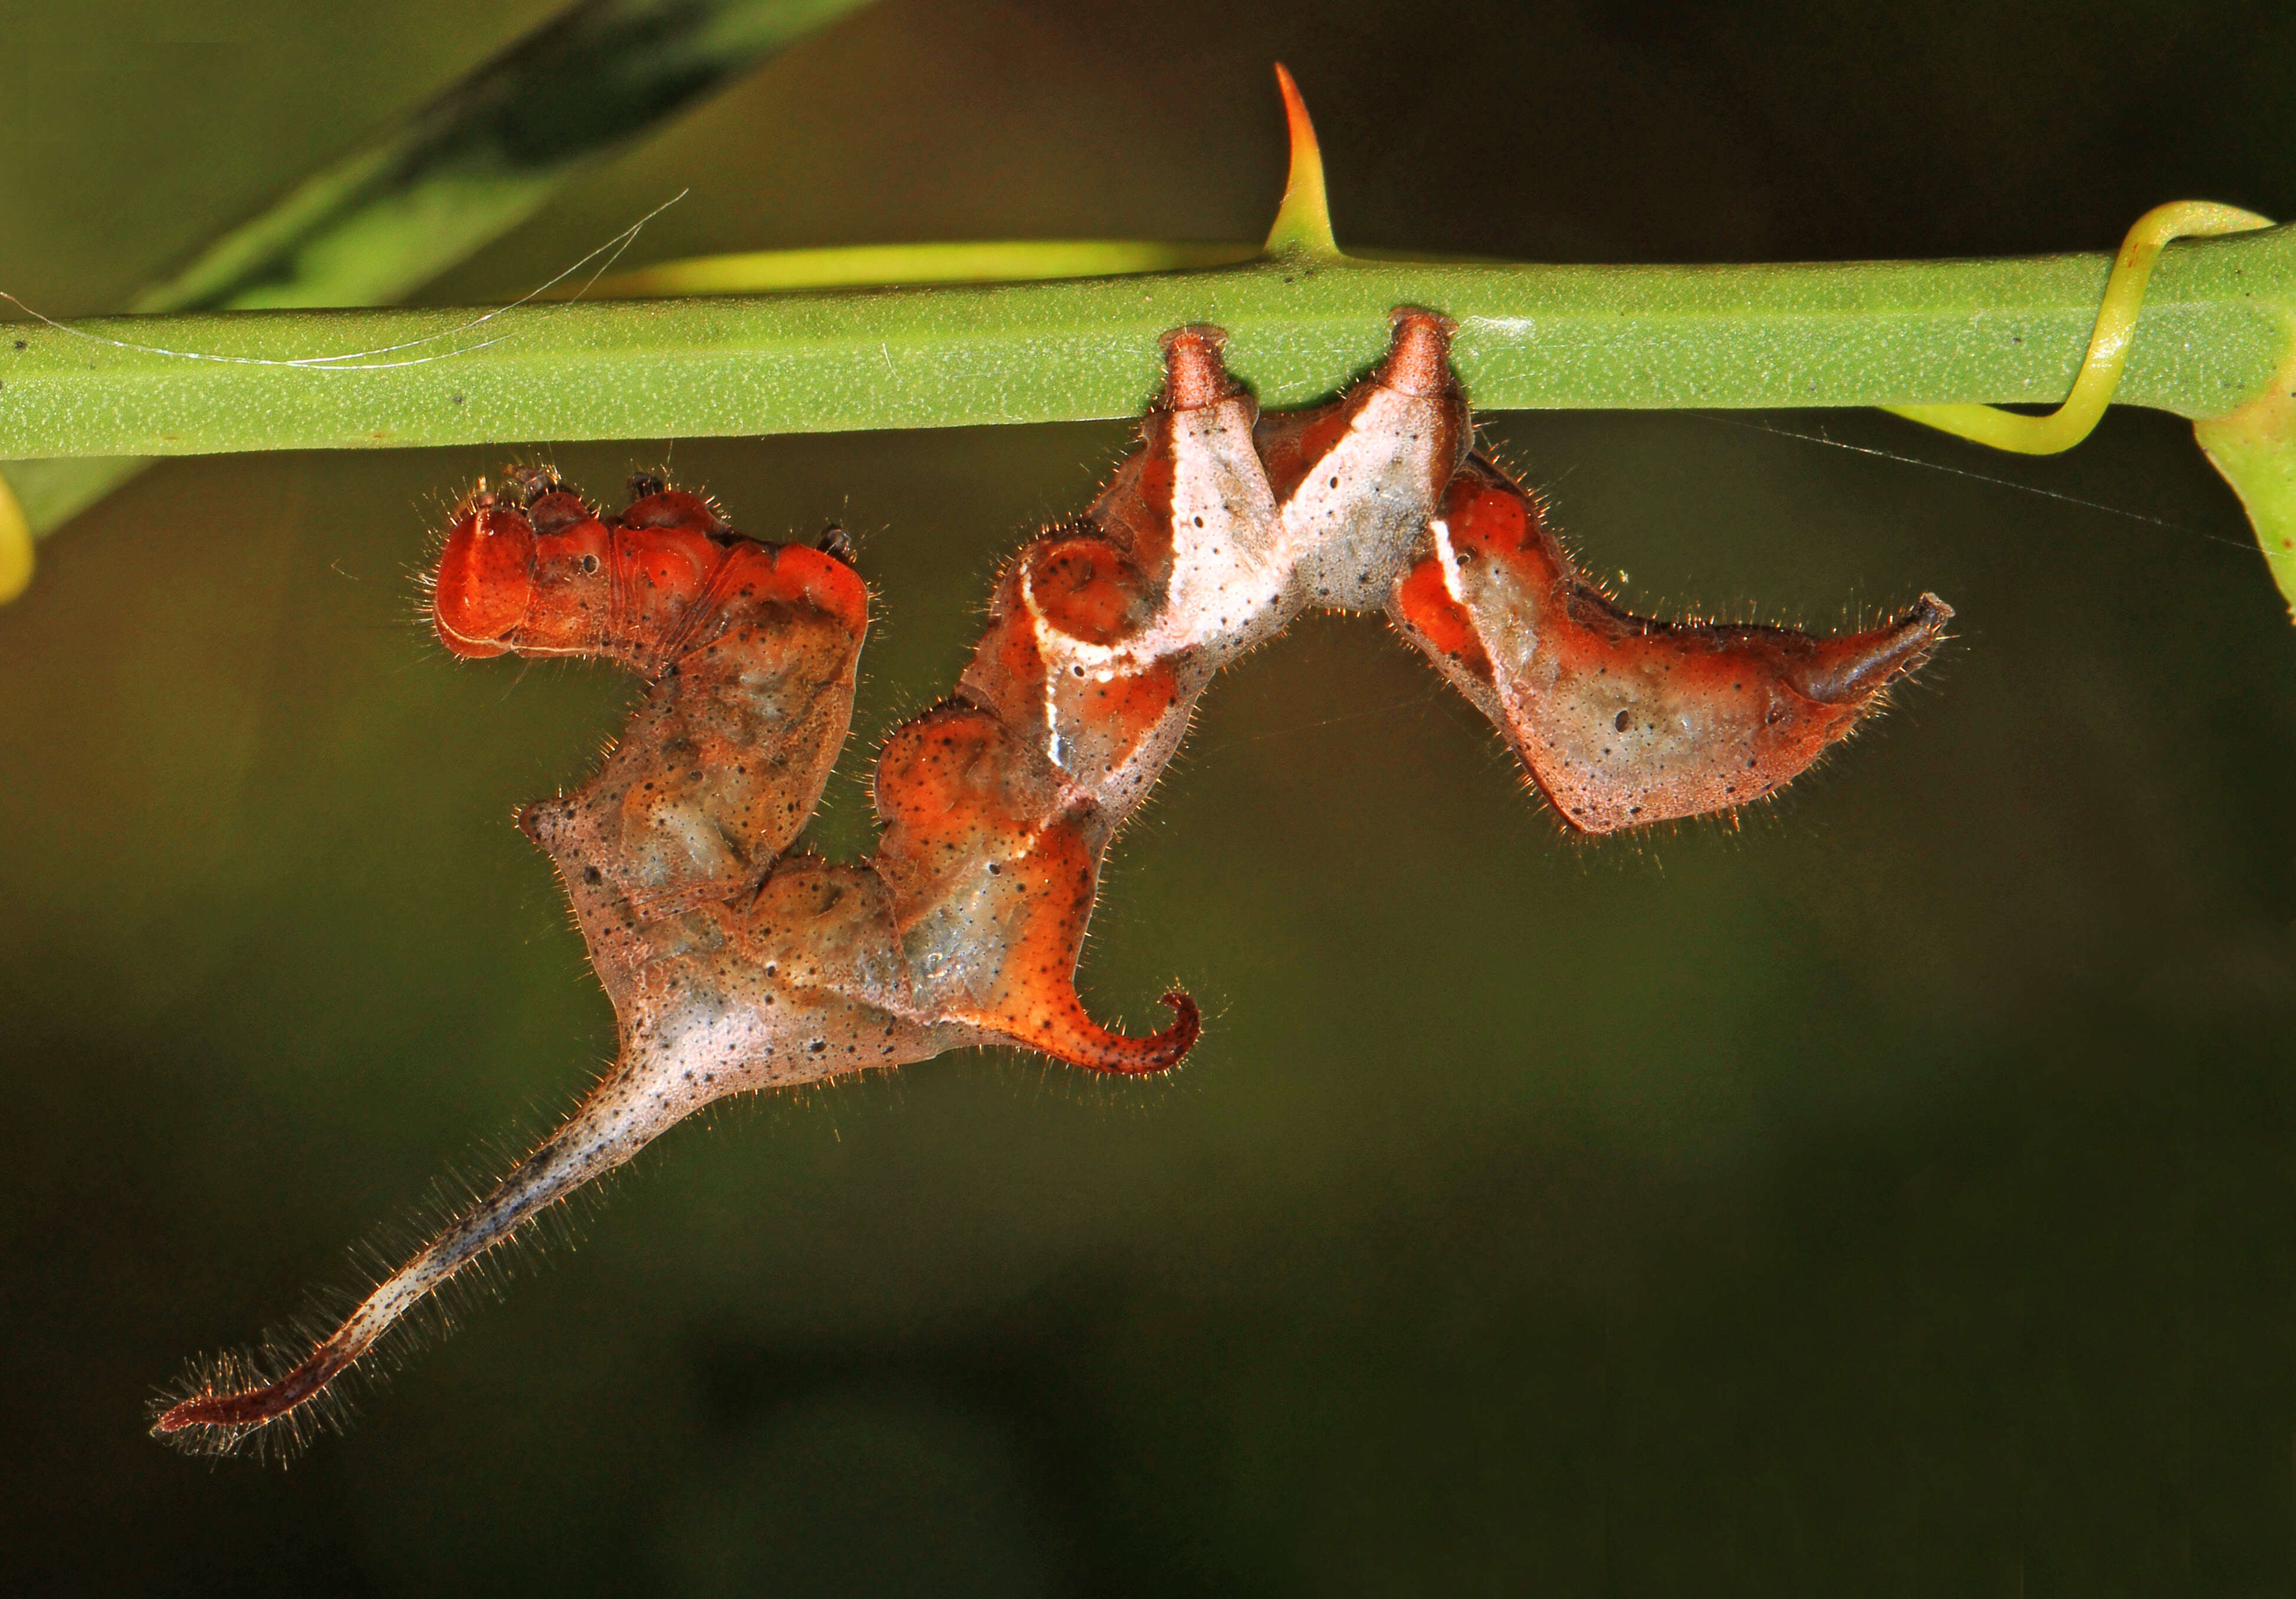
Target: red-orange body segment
[[552, 577], [1623, 721]]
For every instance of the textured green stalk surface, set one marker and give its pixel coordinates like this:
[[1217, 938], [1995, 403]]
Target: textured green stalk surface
[[464, 170], [2214, 327]]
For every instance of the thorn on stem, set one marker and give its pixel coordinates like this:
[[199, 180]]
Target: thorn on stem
[[1303, 222]]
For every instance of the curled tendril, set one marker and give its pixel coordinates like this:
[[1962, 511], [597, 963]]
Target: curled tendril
[[2108, 346]]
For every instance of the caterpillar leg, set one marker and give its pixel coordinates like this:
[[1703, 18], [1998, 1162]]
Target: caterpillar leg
[[1356, 480], [1103, 632], [1624, 720]]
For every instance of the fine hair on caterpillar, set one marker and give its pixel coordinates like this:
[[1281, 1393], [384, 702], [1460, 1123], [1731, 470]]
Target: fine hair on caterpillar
[[280, 1350], [737, 961], [330, 1396]]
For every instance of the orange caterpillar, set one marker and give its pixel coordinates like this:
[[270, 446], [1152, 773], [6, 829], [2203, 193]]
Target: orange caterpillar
[[734, 965]]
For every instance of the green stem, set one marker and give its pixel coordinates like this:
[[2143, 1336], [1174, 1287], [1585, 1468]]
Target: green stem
[[2217, 325], [382, 220]]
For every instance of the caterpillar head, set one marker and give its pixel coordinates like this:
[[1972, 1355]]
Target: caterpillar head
[[523, 568], [486, 575]]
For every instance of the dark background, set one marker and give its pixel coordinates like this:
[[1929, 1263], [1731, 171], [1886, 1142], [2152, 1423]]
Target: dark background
[[1890, 1195]]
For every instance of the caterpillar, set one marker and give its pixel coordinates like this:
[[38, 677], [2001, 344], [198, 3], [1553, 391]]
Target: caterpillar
[[736, 962]]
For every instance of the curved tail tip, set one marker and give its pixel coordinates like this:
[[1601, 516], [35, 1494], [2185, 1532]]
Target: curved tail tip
[[251, 1407], [1173, 1044], [1122, 1057], [1927, 612], [207, 1410], [1857, 667], [1908, 641]]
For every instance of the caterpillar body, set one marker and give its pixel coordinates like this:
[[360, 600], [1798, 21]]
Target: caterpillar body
[[736, 964]]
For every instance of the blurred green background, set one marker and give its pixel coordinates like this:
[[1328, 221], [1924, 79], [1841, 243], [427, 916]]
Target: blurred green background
[[1893, 1194]]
